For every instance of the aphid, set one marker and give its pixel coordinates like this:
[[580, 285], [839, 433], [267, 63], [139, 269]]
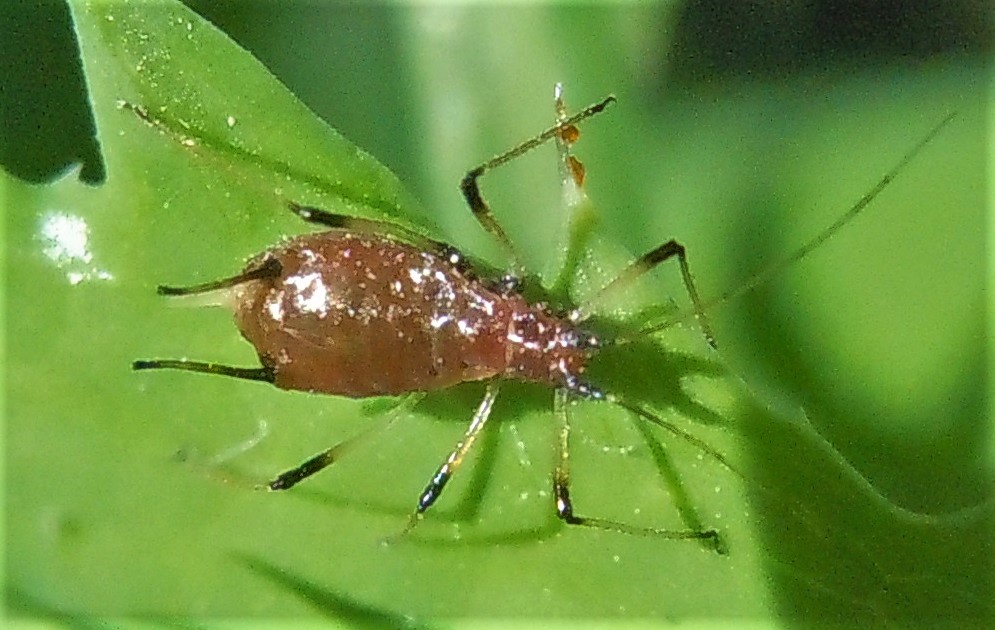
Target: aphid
[[366, 308]]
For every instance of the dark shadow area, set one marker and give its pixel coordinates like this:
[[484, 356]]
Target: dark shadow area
[[46, 125], [842, 554], [715, 41], [19, 605], [332, 605]]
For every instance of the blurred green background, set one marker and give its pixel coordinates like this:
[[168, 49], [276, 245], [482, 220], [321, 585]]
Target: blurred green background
[[739, 131]]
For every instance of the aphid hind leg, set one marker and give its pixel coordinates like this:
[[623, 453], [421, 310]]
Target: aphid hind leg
[[564, 504], [471, 188], [325, 218], [342, 222], [329, 456], [357, 224], [646, 263], [445, 472]]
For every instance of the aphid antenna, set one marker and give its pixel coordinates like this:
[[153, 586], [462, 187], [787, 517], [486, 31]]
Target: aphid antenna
[[767, 273], [635, 270], [649, 261]]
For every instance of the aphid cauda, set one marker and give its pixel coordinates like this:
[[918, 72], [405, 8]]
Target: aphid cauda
[[366, 308]]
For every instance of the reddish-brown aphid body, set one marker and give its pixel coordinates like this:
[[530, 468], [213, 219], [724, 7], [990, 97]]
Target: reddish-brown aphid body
[[354, 311], [365, 315]]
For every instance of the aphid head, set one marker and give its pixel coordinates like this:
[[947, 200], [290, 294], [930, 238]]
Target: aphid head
[[584, 389], [587, 340], [452, 255]]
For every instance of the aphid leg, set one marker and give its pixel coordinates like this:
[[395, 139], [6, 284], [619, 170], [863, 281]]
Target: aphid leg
[[329, 456], [506, 285], [265, 374], [370, 226], [471, 189], [455, 459], [561, 486], [331, 220], [357, 224], [268, 268], [646, 263], [313, 465]]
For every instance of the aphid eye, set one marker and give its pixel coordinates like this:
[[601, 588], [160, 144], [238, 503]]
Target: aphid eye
[[584, 390], [507, 285], [453, 256], [588, 340]]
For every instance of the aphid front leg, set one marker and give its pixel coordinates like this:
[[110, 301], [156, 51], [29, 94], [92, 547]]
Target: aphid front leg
[[564, 505], [647, 262], [471, 189], [455, 459]]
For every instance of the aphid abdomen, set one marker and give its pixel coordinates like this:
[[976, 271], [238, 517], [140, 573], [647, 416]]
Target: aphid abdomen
[[362, 315]]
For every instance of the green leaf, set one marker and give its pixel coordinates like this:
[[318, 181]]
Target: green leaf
[[131, 494], [260, 126]]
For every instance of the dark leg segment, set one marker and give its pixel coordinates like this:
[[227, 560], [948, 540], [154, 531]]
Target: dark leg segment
[[264, 374], [471, 189], [369, 226], [357, 224], [648, 262], [311, 466], [328, 219], [329, 456], [564, 506], [445, 472]]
